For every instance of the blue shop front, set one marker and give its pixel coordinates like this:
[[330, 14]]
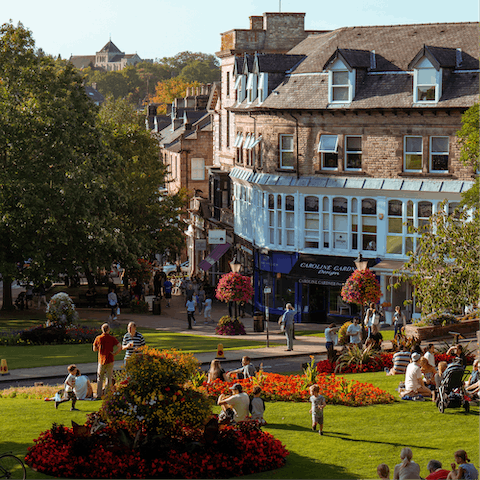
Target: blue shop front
[[311, 283]]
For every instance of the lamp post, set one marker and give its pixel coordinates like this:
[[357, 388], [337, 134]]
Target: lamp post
[[235, 267], [361, 264]]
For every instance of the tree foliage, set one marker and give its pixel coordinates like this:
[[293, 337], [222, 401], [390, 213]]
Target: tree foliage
[[168, 90]]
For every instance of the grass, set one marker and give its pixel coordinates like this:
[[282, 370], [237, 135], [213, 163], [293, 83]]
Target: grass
[[356, 440], [50, 355]]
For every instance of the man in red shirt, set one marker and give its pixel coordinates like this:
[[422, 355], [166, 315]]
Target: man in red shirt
[[436, 471], [104, 344]]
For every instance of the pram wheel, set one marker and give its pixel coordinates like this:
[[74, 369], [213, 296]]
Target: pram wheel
[[441, 406]]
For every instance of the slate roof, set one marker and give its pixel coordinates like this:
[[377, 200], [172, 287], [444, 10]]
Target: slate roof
[[273, 63], [390, 83], [110, 47], [82, 61]]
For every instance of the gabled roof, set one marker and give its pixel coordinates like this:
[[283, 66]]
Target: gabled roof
[[110, 47], [440, 57], [351, 58], [82, 61], [276, 62]]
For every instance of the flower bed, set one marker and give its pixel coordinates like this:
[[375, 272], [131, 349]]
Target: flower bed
[[294, 388], [383, 361], [238, 450], [227, 326]]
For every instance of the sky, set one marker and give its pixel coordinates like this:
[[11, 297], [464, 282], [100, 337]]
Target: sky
[[162, 28]]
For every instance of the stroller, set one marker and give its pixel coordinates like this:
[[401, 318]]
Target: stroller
[[451, 392]]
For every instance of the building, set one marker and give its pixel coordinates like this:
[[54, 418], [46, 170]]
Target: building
[[335, 145], [109, 58]]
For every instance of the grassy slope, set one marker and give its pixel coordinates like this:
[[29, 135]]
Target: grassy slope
[[356, 440]]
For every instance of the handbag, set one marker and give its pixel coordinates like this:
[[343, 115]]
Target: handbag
[[118, 310], [281, 322]]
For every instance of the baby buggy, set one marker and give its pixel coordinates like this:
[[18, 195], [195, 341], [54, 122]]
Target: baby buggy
[[451, 392]]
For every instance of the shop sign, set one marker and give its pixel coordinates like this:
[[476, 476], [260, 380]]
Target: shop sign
[[200, 244], [217, 237]]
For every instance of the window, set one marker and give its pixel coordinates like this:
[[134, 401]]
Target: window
[[240, 88], [439, 154], [395, 228], [198, 169], [328, 148], [286, 151], [271, 219], [341, 82], [251, 150], [290, 220], [413, 154], [251, 87], [228, 130], [369, 224], [340, 223], [426, 83], [353, 153], [326, 222], [228, 84], [262, 87], [312, 221], [238, 145]]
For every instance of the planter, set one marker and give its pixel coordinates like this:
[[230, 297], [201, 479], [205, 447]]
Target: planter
[[433, 331]]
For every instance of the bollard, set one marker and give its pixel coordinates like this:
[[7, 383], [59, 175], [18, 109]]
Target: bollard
[[220, 355], [3, 367]]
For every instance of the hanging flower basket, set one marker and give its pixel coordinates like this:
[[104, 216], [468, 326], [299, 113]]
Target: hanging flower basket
[[234, 287], [361, 286]]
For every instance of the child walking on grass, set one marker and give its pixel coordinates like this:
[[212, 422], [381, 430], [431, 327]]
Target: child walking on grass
[[318, 404]]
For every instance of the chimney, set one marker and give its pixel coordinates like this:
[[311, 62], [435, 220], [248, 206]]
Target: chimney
[[256, 22]]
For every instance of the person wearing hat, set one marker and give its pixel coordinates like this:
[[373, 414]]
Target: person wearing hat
[[239, 401], [414, 384]]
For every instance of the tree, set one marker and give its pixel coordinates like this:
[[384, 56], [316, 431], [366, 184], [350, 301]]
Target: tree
[[168, 90], [200, 71]]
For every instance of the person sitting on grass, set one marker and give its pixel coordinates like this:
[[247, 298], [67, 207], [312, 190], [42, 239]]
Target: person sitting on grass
[[83, 388], [247, 370], [69, 389], [407, 469], [414, 384], [457, 350], [436, 471], [318, 404], [428, 373], [400, 359], [429, 354], [465, 469], [239, 401], [257, 406], [473, 383], [383, 471], [216, 372]]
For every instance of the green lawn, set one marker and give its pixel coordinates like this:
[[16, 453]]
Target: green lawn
[[356, 440], [49, 355]]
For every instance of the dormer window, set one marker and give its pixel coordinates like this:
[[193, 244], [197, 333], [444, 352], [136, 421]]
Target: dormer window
[[426, 82], [262, 87], [240, 88], [341, 83], [251, 88]]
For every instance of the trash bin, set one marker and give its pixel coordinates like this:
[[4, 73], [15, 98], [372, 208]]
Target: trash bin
[[258, 322], [156, 306]]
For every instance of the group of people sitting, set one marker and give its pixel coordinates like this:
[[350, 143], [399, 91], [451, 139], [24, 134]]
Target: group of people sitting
[[423, 377], [461, 468], [238, 406]]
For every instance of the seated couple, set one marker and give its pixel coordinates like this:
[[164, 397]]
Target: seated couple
[[414, 383]]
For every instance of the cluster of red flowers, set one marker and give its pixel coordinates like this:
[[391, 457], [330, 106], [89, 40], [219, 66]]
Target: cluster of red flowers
[[384, 360], [361, 286], [237, 450], [294, 388], [234, 287]]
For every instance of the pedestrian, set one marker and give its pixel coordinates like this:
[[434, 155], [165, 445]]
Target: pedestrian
[[157, 284], [112, 303], [41, 296], [167, 289], [286, 323], [354, 330], [318, 404], [132, 341], [190, 312], [107, 347], [189, 290], [331, 341], [69, 393], [398, 321], [207, 311], [200, 299]]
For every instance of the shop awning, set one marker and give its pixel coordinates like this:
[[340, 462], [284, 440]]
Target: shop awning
[[323, 269], [388, 266], [214, 256]]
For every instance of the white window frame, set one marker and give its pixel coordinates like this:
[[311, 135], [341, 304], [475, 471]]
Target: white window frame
[[251, 88], [339, 66], [262, 87], [238, 140], [323, 148], [346, 152], [282, 151], [240, 88], [444, 153], [425, 64], [405, 153], [197, 169]]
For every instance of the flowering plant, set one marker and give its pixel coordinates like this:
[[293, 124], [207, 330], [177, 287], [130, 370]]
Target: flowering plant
[[234, 287], [361, 286], [61, 310], [227, 326], [138, 306]]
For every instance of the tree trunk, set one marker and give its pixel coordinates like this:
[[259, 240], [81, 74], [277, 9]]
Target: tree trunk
[[7, 294], [89, 276]]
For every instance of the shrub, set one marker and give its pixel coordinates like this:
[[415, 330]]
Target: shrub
[[343, 338], [138, 306], [227, 326], [45, 335]]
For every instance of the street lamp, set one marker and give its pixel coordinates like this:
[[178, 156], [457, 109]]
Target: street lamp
[[235, 267], [361, 263]]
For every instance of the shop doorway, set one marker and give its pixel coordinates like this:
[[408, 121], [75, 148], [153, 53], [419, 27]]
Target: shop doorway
[[316, 298]]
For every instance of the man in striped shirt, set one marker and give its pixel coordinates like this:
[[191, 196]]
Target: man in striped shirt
[[132, 341], [401, 360]]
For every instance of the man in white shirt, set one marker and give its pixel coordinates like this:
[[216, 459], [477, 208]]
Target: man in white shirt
[[239, 401], [354, 330], [414, 384]]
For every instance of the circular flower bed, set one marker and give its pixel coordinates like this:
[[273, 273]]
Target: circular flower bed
[[227, 326], [154, 424], [294, 388]]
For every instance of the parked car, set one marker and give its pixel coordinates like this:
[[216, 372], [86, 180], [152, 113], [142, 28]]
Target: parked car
[[169, 268]]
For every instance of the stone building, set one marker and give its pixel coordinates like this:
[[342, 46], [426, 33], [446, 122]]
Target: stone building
[[109, 58], [335, 145]]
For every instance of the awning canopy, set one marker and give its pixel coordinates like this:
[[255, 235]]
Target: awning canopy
[[214, 256], [388, 266]]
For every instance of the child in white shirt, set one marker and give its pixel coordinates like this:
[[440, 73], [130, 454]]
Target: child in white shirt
[[69, 388], [318, 404], [257, 406]]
